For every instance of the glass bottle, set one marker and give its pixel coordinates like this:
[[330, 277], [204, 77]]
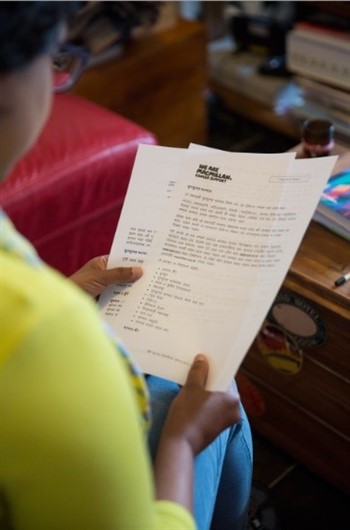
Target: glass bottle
[[317, 138]]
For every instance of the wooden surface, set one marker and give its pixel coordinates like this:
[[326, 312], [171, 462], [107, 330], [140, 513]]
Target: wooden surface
[[321, 259], [158, 82], [297, 431], [257, 112], [254, 111]]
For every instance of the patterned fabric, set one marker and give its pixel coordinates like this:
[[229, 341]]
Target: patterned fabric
[[12, 241], [136, 376]]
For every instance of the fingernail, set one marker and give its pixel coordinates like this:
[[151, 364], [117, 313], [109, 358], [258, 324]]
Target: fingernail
[[200, 357], [136, 273]]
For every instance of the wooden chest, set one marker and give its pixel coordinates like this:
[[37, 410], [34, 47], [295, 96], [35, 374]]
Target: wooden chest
[[295, 379]]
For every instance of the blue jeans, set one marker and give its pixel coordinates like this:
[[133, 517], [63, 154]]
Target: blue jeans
[[223, 471]]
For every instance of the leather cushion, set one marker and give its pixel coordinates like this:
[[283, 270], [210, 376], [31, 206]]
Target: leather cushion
[[66, 194]]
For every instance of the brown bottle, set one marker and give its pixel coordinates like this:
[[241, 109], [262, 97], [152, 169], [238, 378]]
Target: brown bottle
[[317, 138]]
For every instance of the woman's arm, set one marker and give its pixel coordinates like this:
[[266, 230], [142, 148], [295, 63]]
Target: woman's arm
[[70, 424]]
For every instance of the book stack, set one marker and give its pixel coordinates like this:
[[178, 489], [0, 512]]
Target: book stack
[[319, 57], [333, 209], [320, 53], [103, 28]]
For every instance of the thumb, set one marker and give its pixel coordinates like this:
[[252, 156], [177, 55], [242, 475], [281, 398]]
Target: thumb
[[122, 275], [198, 372]]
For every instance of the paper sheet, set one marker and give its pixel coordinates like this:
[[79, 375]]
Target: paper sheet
[[217, 232]]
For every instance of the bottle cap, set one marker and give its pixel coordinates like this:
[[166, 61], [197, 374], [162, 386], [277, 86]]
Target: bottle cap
[[318, 132]]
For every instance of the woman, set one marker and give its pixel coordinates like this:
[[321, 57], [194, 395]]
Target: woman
[[74, 454]]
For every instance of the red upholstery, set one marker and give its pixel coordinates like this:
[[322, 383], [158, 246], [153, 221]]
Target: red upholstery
[[66, 195]]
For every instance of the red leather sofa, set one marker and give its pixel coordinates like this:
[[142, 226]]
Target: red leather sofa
[[66, 194]]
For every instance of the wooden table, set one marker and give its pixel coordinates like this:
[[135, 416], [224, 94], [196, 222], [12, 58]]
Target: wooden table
[[295, 379], [265, 100]]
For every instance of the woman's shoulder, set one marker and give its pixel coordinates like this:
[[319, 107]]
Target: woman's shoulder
[[31, 295], [33, 286]]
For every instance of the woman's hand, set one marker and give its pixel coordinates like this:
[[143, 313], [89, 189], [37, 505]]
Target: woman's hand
[[94, 277], [197, 415], [195, 418]]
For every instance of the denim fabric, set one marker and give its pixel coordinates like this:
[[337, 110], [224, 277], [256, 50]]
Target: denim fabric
[[223, 471]]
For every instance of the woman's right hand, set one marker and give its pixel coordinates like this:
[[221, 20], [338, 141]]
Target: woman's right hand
[[197, 415], [195, 418]]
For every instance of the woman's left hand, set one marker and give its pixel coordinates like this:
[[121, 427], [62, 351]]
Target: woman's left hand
[[94, 277]]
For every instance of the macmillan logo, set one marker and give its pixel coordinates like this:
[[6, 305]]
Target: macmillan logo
[[211, 173]]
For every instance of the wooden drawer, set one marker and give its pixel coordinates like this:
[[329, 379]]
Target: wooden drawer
[[296, 430], [295, 379], [323, 393]]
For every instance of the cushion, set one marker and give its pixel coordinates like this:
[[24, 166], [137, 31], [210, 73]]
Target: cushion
[[66, 194]]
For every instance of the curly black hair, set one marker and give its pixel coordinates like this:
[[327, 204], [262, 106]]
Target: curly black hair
[[28, 29]]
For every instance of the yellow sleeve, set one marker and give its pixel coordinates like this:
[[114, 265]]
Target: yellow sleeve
[[73, 452]]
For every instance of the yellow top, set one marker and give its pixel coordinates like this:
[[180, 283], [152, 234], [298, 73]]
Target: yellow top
[[73, 454]]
